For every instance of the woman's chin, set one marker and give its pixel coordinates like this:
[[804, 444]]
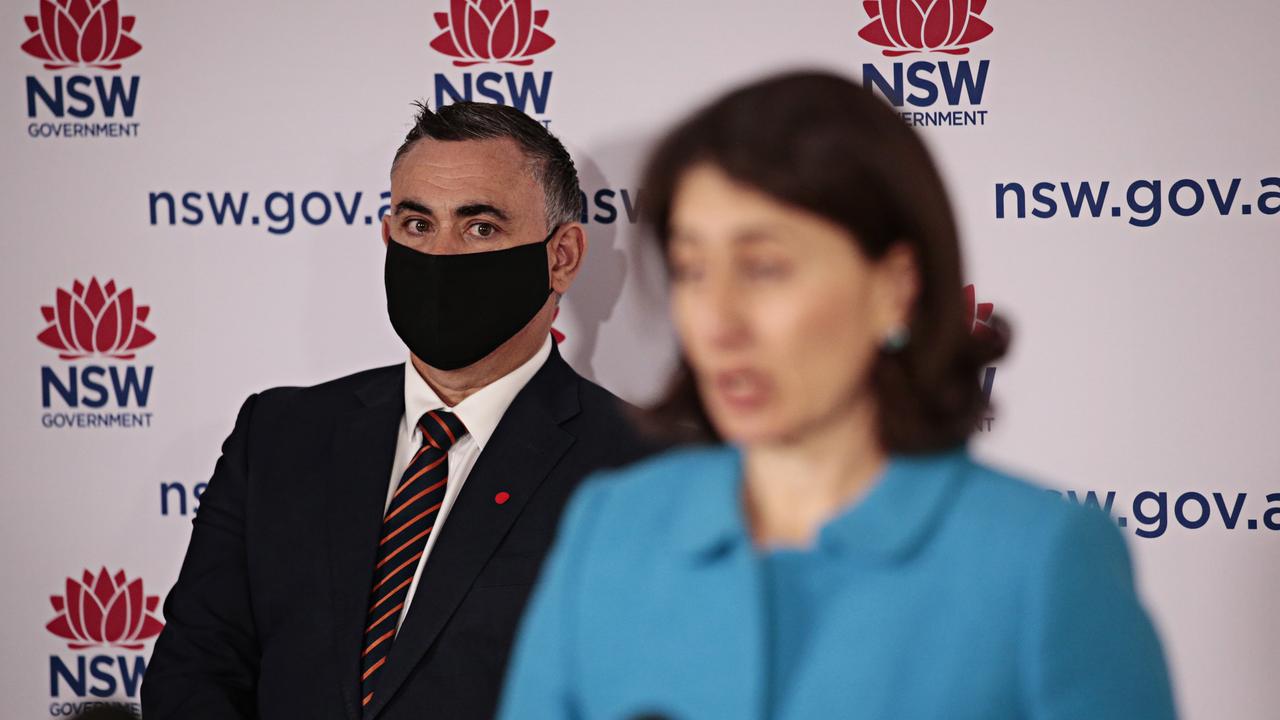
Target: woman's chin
[[738, 429]]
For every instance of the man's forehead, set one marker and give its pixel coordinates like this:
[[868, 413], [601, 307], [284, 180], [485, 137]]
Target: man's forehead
[[491, 156], [445, 172]]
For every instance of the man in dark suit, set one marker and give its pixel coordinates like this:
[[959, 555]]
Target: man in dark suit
[[366, 546]]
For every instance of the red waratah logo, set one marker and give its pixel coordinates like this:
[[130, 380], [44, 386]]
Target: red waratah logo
[[105, 610], [903, 27], [977, 315], [481, 31], [88, 33], [95, 320]]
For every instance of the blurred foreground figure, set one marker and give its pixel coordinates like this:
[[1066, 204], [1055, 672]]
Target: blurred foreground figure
[[833, 551]]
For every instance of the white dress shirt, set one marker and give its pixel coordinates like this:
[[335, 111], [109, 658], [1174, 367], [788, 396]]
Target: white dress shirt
[[480, 412]]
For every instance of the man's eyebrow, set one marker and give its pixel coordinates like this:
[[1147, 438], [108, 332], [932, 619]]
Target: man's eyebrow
[[414, 206], [474, 209]]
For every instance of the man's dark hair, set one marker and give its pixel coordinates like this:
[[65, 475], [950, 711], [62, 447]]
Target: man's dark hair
[[549, 162], [821, 143]]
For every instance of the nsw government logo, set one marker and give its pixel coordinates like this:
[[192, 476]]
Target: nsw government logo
[[495, 33], [978, 320], [105, 620], [78, 38], [928, 89], [99, 323]]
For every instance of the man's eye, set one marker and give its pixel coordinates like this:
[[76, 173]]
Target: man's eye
[[484, 229], [418, 226]]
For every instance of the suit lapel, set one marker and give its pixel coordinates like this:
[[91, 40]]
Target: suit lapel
[[525, 447], [363, 449]]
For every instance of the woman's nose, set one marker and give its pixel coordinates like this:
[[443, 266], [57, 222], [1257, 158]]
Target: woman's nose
[[722, 311]]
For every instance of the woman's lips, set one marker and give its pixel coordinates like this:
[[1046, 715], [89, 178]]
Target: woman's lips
[[742, 389]]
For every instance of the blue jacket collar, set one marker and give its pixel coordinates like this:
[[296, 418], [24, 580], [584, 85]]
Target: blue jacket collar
[[711, 521], [891, 521]]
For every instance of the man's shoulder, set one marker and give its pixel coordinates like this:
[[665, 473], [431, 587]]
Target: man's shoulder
[[608, 425], [337, 394], [595, 398], [601, 411]]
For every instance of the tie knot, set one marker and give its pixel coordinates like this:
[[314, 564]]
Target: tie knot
[[441, 429]]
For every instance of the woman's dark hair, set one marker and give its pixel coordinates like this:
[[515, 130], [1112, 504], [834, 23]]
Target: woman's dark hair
[[829, 146]]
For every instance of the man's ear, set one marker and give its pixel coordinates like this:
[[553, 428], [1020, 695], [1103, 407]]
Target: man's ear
[[568, 249], [386, 229]]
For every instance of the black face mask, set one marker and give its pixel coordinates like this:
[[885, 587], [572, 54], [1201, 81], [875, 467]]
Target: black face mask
[[452, 310]]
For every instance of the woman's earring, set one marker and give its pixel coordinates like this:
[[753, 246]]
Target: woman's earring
[[896, 340]]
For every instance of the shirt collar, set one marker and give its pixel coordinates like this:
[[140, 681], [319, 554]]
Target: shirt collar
[[480, 411], [887, 524]]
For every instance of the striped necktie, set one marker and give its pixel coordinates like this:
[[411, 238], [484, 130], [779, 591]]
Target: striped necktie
[[410, 517]]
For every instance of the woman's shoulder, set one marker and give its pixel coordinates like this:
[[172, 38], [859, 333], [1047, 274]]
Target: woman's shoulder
[[668, 489], [671, 476], [1004, 491], [1029, 517]]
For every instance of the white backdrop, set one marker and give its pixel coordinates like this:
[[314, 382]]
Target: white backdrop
[[1144, 359]]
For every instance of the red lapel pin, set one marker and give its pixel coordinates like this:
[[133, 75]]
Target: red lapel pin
[[502, 497]]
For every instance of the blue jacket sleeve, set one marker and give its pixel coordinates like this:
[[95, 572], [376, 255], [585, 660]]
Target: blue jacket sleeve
[[1092, 651], [541, 681]]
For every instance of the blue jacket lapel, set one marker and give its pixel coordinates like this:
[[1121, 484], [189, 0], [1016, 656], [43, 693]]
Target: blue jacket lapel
[[722, 562]]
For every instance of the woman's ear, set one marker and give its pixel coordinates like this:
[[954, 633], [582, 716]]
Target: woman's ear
[[897, 286]]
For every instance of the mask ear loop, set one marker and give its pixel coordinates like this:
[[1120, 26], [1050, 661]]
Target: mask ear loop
[[551, 290]]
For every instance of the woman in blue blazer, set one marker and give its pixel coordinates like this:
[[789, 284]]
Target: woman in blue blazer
[[833, 551]]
